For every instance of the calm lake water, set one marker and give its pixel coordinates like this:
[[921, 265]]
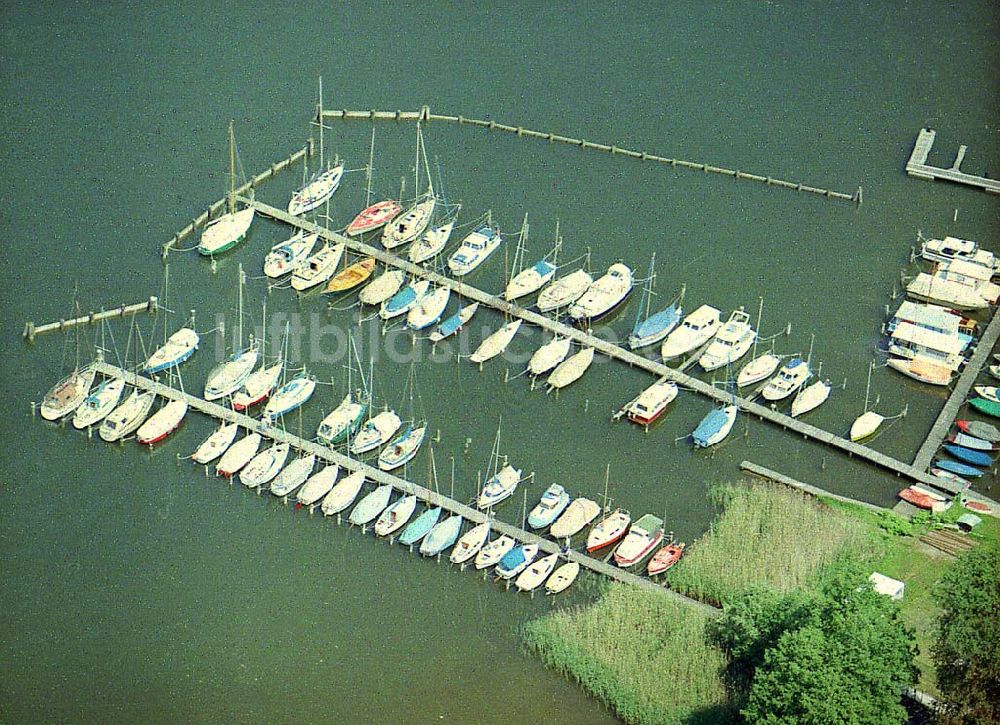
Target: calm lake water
[[136, 588]]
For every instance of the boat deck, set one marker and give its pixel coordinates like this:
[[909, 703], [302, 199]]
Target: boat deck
[[917, 165], [611, 350], [432, 498]]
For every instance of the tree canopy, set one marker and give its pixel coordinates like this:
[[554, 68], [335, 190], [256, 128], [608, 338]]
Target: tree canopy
[[967, 651]]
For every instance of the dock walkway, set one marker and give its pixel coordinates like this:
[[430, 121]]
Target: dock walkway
[[959, 394], [917, 165], [432, 498], [613, 351]]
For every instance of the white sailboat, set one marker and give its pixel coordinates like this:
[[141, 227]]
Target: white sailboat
[[869, 421], [178, 348], [562, 578], [494, 551], [549, 355], [810, 397], [231, 228], [382, 287], [343, 494], [564, 291], [470, 543], [411, 224], [229, 376], [405, 299], [68, 394], [127, 417], [393, 518], [238, 455], [318, 268], [287, 256], [454, 323], [531, 278], [532, 577], [761, 366], [289, 396], [264, 465], [216, 444], [571, 369], [429, 309], [432, 242], [376, 431], [98, 404], [162, 423], [496, 343], [503, 481], [318, 485], [293, 475], [323, 183]]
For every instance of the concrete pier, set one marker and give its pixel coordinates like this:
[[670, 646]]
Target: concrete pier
[[917, 165]]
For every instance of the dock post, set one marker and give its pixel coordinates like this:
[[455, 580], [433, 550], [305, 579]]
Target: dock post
[[29, 330], [34, 407]]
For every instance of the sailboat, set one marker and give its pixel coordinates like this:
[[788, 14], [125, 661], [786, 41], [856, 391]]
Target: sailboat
[[612, 527], [475, 249], [293, 475], [604, 295], [368, 508], [351, 276], [531, 278], [405, 299], [428, 309], [420, 526], [264, 465], [410, 225], [127, 417], [869, 421], [491, 553], [496, 343], [562, 578], [216, 444], [259, 384], [694, 331], [442, 536], [810, 397], [382, 287], [287, 256], [454, 324], [516, 560], [231, 228], [393, 518], [175, 350], [571, 369], [549, 355], [760, 367], [289, 396], [731, 342], [238, 455], [318, 268], [532, 577], [376, 431], [649, 329], [433, 240], [403, 449], [162, 423], [344, 420], [318, 485], [343, 494], [373, 217], [564, 291], [323, 183], [715, 426], [95, 406], [471, 542], [229, 376], [502, 484]]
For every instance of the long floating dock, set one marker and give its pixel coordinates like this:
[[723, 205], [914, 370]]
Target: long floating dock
[[918, 167], [424, 115], [959, 394], [771, 475], [432, 498], [615, 352], [31, 330]]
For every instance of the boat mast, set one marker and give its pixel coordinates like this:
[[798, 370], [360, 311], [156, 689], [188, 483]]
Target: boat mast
[[756, 338], [868, 385], [555, 250], [321, 122], [239, 313], [607, 478], [416, 165], [371, 163], [231, 200]]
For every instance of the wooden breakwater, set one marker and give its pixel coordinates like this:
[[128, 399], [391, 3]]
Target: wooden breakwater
[[31, 329], [424, 115]]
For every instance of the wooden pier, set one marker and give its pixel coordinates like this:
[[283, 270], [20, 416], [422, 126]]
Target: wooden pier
[[216, 207], [430, 497], [917, 165], [31, 330], [424, 115], [771, 475], [658, 369]]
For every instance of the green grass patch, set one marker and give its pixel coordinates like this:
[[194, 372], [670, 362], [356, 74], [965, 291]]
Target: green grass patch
[[643, 654], [768, 535]]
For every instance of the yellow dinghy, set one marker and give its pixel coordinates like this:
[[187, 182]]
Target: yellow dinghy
[[350, 277]]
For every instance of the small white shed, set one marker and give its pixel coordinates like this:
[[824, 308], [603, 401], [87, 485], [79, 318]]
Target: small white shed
[[892, 588]]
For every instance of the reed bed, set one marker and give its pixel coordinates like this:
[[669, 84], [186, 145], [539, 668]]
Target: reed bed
[[767, 535], [644, 655]]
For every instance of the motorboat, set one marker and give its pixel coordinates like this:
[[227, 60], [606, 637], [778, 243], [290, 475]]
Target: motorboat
[[285, 257], [642, 538], [553, 502], [694, 331], [731, 342], [604, 295], [950, 293], [474, 250], [652, 402], [951, 248], [789, 379], [499, 487], [664, 559], [580, 512]]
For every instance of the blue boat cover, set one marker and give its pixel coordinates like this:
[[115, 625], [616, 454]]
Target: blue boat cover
[[960, 468], [976, 458], [710, 425], [657, 322]]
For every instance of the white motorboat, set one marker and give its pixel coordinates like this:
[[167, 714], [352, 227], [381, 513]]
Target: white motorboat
[[258, 386], [474, 250], [285, 257], [431, 243], [651, 402], [790, 378], [382, 287], [293, 475], [68, 394], [571, 369], [96, 406], [238, 455], [428, 309], [971, 275], [407, 227], [343, 494], [562, 578], [760, 368], [404, 300], [395, 517], [162, 423], [376, 431], [697, 328], [127, 417], [289, 396], [549, 355], [564, 291], [315, 193], [318, 268], [579, 513], [810, 397], [731, 342], [604, 295], [499, 487], [216, 444], [470, 543], [932, 288], [265, 465], [949, 248], [532, 577], [494, 551], [178, 348], [496, 343], [318, 485]]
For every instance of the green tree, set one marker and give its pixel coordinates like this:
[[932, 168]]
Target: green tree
[[967, 651]]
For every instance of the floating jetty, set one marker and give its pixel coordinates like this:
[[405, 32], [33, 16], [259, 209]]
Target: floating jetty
[[431, 498], [917, 165], [658, 369], [31, 330], [959, 394], [424, 115]]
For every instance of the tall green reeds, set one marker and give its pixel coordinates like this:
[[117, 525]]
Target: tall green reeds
[[643, 654]]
